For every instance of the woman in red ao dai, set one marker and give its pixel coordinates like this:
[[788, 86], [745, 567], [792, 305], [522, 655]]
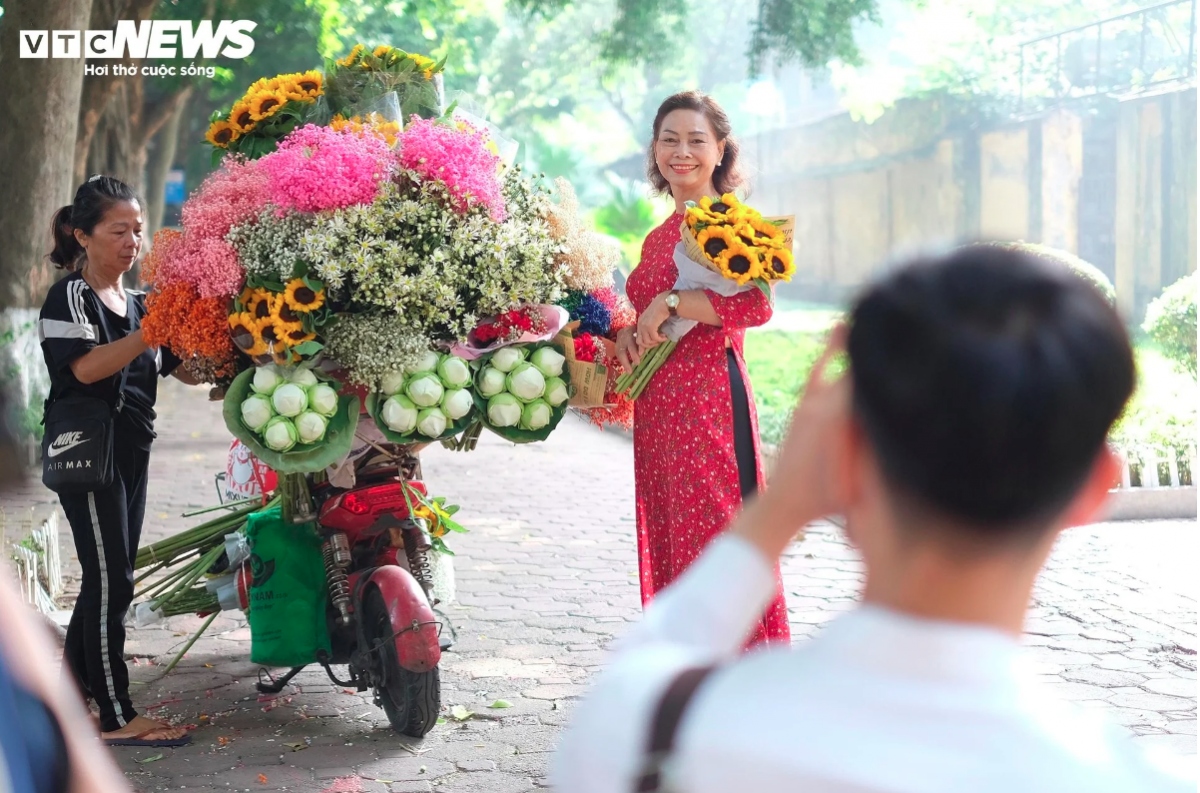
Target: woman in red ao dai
[[695, 433]]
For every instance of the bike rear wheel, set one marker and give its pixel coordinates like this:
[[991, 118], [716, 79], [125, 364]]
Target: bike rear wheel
[[411, 700]]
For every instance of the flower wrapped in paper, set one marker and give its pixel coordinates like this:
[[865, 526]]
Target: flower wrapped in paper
[[725, 247]]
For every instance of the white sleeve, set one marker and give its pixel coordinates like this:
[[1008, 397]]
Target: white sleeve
[[705, 616]]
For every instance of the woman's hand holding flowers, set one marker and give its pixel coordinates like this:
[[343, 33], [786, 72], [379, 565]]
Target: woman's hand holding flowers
[[628, 354], [650, 324]]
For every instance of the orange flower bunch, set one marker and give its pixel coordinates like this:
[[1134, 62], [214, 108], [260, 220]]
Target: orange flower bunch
[[190, 326]]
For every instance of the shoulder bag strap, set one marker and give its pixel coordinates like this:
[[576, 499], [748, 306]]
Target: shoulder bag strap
[[121, 389], [130, 303], [667, 718]]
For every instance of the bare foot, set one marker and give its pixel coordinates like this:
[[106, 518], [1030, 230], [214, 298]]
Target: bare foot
[[149, 729]]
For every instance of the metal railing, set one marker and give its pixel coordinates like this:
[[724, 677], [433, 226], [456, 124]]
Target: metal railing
[[1136, 50]]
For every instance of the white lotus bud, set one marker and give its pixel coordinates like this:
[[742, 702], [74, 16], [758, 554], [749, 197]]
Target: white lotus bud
[[431, 422], [256, 412], [557, 391], [425, 390], [399, 414], [393, 383], [310, 427], [506, 358], [504, 410], [303, 377], [537, 414], [548, 360], [454, 372], [457, 403], [266, 378], [428, 363], [280, 434], [289, 400], [323, 399], [491, 382], [526, 382]]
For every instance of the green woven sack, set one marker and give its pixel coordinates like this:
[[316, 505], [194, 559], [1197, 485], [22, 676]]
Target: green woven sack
[[288, 593]]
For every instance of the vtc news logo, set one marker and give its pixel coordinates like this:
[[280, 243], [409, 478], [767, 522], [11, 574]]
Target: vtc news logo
[[153, 39]]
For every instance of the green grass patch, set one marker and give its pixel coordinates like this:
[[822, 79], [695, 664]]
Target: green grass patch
[[779, 363]]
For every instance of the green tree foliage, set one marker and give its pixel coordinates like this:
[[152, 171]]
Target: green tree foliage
[[809, 32], [1171, 322]]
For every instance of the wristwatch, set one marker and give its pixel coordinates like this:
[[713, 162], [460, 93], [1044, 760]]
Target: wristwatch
[[672, 302]]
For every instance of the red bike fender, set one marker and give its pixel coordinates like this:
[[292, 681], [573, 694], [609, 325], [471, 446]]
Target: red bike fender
[[418, 649]]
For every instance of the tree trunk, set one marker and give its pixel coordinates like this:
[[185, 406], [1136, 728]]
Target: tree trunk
[[161, 158], [40, 105]]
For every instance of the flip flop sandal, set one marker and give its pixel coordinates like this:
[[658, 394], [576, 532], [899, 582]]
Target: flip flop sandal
[[142, 740]]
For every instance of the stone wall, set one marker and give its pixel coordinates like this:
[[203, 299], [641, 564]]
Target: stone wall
[[1113, 181]]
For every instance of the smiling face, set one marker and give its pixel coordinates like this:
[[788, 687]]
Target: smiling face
[[116, 241], [686, 152]]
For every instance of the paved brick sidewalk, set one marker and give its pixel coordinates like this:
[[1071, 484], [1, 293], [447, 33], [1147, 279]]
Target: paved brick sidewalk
[[545, 579]]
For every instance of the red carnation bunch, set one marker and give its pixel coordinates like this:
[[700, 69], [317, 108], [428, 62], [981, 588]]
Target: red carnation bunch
[[587, 348], [509, 326]]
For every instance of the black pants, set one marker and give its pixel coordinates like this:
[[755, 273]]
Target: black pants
[[743, 431], [107, 525]]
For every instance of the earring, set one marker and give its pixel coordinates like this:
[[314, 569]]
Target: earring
[[719, 163]]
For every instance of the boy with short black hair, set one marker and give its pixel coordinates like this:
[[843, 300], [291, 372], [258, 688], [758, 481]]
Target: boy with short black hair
[[969, 431]]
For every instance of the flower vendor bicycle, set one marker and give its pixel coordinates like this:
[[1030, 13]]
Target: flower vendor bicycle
[[326, 574], [377, 568]]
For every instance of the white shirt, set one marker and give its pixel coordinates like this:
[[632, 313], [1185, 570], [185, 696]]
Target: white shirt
[[877, 702]]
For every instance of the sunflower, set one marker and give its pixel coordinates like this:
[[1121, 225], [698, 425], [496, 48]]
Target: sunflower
[[243, 329], [765, 230], [242, 117], [714, 240], [719, 207], [381, 50], [353, 56], [242, 325], [270, 332], [739, 263], [745, 233], [301, 298], [695, 216], [286, 319], [309, 82], [297, 336], [267, 104], [778, 264], [221, 134], [261, 304]]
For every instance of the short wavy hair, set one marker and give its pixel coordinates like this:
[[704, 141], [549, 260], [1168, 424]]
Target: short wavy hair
[[728, 175]]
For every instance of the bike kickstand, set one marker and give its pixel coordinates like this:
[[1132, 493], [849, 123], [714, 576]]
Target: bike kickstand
[[277, 684]]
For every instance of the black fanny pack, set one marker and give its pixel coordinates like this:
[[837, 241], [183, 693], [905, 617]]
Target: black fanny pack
[[77, 448]]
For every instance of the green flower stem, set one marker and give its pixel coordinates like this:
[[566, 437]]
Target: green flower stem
[[195, 570], [161, 584], [633, 383], [229, 505], [191, 641]]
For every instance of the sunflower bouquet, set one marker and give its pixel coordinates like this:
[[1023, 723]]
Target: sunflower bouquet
[[364, 76], [725, 247], [269, 110]]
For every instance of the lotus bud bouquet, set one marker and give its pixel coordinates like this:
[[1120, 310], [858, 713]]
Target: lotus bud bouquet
[[287, 409], [725, 247], [522, 391], [427, 401]]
